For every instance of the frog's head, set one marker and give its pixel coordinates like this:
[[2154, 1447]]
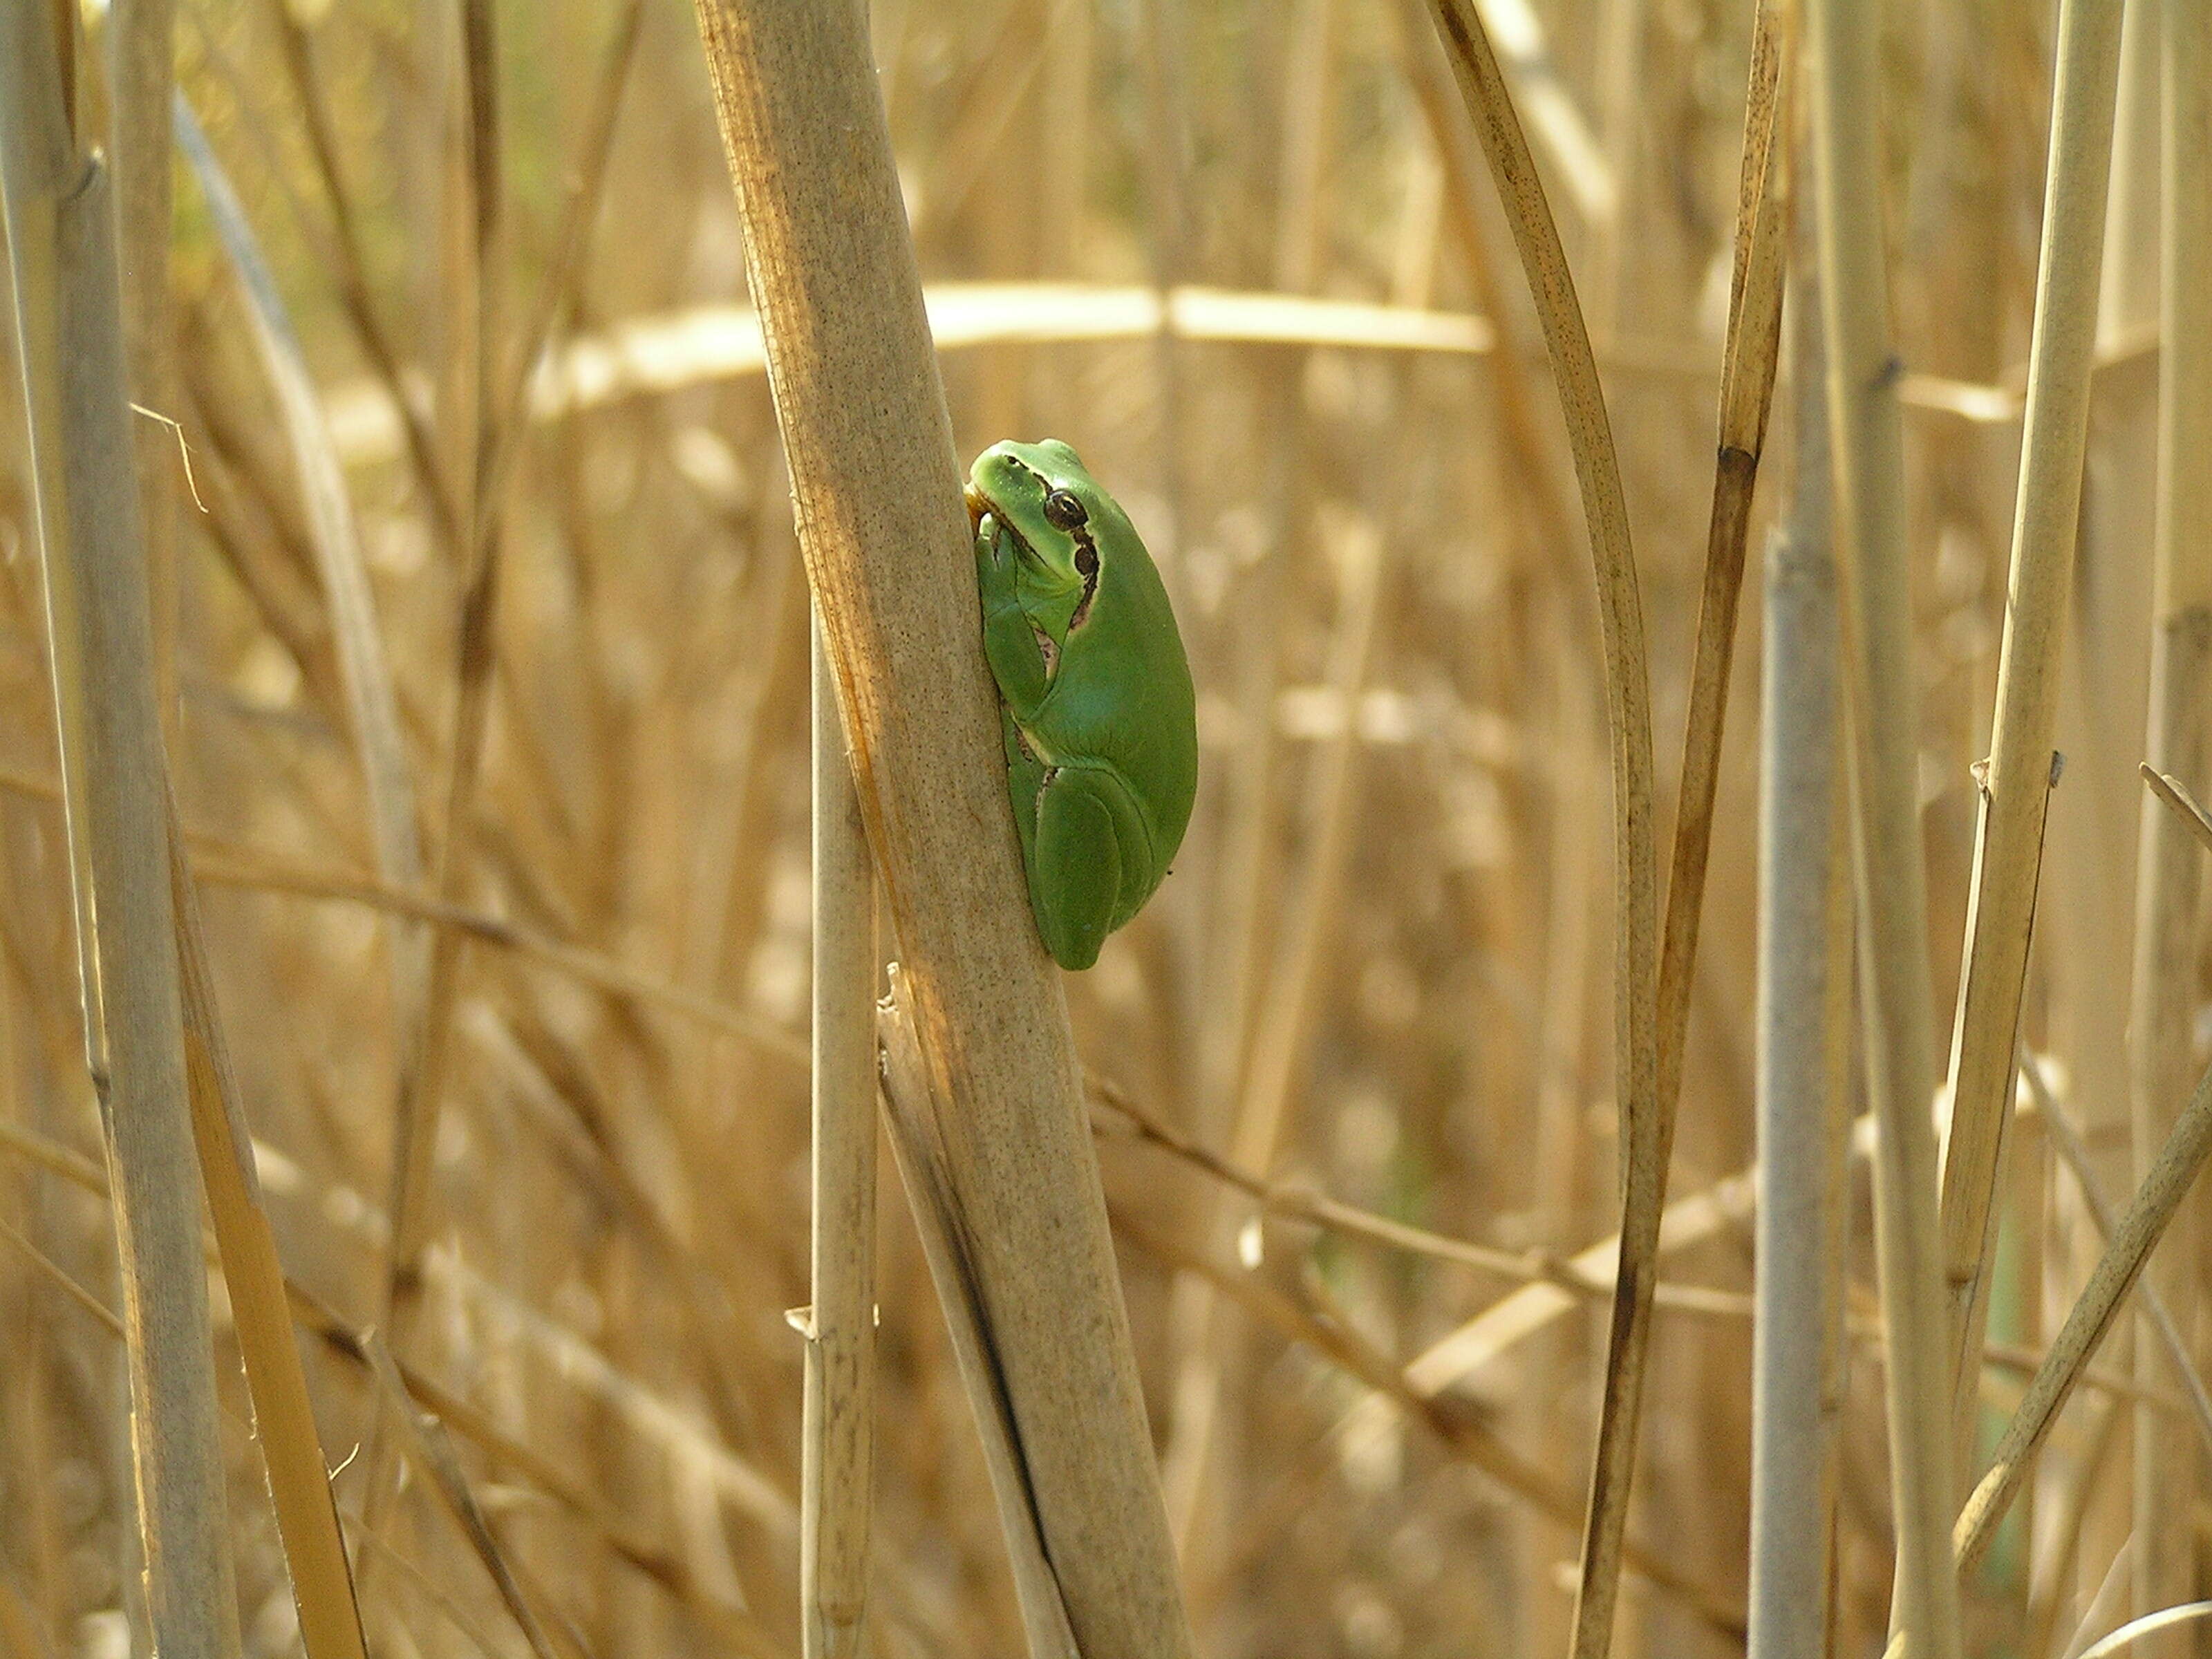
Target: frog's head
[[1057, 520]]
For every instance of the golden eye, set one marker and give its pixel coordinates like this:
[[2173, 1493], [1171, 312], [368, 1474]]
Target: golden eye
[[1063, 511]]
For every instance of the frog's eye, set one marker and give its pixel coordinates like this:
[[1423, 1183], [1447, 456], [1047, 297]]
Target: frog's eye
[[1064, 511]]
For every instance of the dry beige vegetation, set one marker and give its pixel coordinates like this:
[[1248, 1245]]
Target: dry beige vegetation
[[1358, 1101]]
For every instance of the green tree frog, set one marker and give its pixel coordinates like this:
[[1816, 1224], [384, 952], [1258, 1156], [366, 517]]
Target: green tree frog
[[1099, 717]]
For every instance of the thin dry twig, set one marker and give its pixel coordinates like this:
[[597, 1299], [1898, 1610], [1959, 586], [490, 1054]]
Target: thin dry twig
[[2075, 1153], [1628, 696], [2130, 1246], [1459, 1430], [415, 1126], [349, 269], [428, 1449]]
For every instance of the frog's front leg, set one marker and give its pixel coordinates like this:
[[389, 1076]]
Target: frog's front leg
[[1076, 860], [1010, 642]]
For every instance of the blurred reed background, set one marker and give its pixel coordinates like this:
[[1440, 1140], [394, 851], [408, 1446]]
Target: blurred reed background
[[1379, 978]]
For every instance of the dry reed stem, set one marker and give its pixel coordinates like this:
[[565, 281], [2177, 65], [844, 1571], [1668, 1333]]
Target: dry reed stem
[[584, 1501], [2149, 1624], [1453, 1359], [2074, 1152], [2130, 1246], [283, 1419], [877, 492], [1300, 1203], [421, 1086], [1804, 990], [1749, 354], [1461, 1432], [236, 867], [2015, 789], [2169, 1475], [837, 1468], [423, 1440], [1532, 474], [947, 1244], [141, 69], [61, 233], [701, 344], [1628, 709], [2176, 794], [349, 268], [2048, 1599], [555, 295], [344, 1342], [1892, 895]]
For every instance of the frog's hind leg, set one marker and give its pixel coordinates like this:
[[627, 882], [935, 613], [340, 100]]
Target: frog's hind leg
[[1075, 863]]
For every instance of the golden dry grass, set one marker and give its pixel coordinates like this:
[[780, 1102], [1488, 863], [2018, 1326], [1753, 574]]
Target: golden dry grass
[[1351, 1072]]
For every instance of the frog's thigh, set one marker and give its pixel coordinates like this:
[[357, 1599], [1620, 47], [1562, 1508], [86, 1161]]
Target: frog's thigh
[[1075, 867]]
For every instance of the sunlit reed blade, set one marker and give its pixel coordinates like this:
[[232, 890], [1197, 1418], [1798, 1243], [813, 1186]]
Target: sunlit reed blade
[[283, 1416], [2016, 786]]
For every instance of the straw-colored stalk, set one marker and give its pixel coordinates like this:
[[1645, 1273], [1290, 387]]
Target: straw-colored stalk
[[2150, 1623], [141, 69], [1328, 1334], [2063, 1516], [837, 1465], [61, 235], [1628, 708], [888, 550], [1804, 967], [428, 1450], [2169, 1473], [1892, 898], [349, 267], [283, 1417], [919, 1151], [1749, 354], [422, 1085], [2170, 1176], [2073, 1152], [2016, 788], [657, 1422]]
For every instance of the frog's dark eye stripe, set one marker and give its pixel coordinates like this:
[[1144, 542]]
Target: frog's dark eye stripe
[[1064, 511], [1086, 566]]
